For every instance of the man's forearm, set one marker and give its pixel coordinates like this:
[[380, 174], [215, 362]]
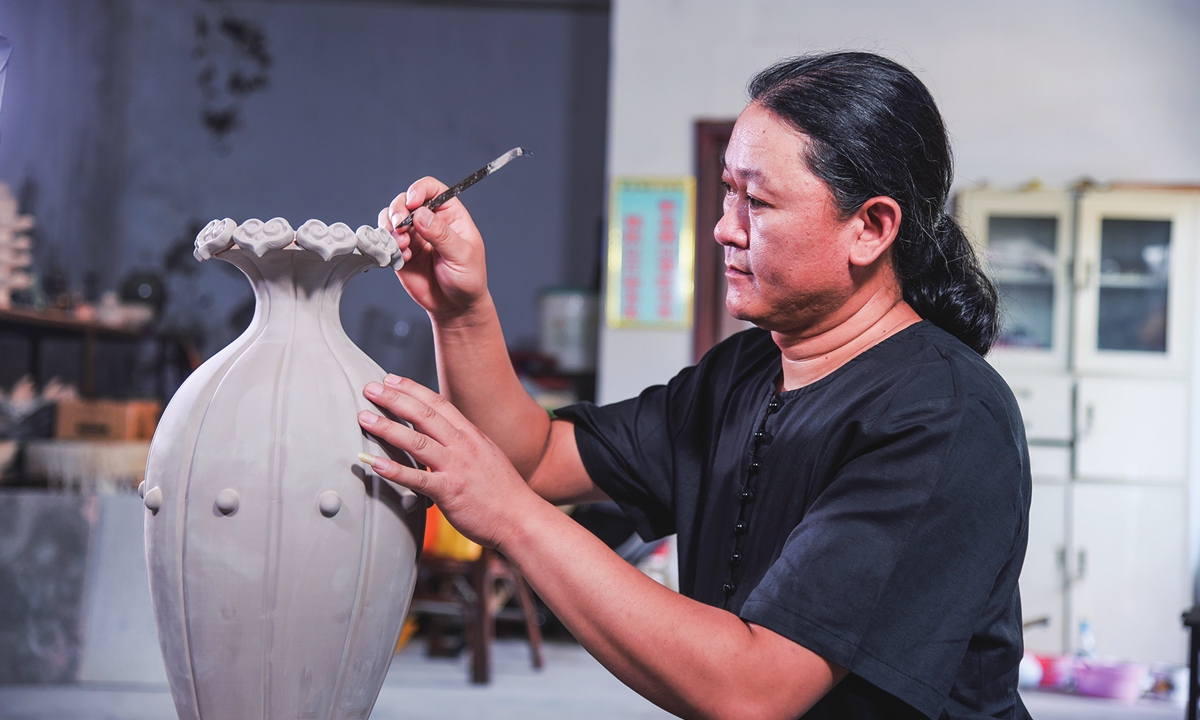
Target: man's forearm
[[475, 373], [694, 660]]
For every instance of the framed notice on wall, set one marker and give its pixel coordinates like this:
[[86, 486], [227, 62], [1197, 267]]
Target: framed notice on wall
[[651, 240]]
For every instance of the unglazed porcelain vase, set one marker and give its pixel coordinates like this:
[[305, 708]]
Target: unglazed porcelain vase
[[281, 567]]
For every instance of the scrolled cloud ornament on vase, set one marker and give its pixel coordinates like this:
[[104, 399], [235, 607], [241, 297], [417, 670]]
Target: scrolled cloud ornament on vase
[[380, 245], [215, 237], [281, 569], [259, 237], [326, 240]]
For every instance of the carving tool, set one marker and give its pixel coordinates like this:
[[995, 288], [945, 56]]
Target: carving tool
[[435, 202]]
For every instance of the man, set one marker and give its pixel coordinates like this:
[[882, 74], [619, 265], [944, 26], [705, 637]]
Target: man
[[849, 482]]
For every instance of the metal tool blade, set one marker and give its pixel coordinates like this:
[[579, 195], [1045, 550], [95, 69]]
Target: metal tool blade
[[437, 201]]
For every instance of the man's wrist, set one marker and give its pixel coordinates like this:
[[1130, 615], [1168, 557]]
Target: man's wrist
[[529, 520], [472, 317]]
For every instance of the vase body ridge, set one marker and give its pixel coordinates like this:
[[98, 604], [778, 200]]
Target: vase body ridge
[[281, 568]]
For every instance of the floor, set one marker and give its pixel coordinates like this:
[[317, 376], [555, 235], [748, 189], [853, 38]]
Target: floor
[[572, 685]]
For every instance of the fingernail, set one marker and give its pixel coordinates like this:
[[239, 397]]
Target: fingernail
[[373, 388], [366, 417], [393, 380], [380, 464], [424, 217], [397, 218]]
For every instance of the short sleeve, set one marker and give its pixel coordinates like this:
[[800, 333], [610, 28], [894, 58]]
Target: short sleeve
[[625, 451], [892, 568]]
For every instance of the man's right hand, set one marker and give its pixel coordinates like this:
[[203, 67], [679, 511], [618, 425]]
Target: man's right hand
[[445, 273], [444, 267]]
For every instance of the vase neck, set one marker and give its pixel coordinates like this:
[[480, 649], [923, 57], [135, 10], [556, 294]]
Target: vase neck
[[296, 283]]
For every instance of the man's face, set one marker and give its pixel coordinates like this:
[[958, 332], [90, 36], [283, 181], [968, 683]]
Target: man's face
[[786, 249]]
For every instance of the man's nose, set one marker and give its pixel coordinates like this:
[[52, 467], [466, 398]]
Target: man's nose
[[729, 229]]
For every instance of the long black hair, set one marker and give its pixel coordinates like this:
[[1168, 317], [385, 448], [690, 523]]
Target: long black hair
[[874, 130]]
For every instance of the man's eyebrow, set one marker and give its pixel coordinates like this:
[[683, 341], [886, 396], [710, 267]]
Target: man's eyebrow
[[748, 173]]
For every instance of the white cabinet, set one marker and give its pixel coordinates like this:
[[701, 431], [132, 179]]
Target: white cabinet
[[1041, 577], [1098, 294], [1133, 581], [1045, 401], [1131, 430], [1135, 275], [1025, 240]]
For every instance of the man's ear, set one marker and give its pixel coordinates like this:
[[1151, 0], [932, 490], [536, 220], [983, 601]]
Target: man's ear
[[879, 220]]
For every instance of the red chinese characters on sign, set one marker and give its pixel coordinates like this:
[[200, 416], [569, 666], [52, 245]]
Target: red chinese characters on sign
[[649, 253], [668, 251], [631, 266]]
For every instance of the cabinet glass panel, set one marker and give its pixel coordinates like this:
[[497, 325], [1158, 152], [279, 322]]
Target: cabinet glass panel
[[1135, 259], [1022, 256]]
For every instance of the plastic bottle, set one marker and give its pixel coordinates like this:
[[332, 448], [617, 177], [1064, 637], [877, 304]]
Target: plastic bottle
[[1087, 641]]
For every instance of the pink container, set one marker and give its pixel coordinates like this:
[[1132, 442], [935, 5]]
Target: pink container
[[1120, 681], [1058, 671]]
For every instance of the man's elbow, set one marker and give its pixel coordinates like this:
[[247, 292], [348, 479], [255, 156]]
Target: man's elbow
[[758, 705]]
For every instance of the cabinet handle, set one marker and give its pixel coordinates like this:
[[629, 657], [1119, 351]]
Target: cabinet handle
[[1089, 418], [1083, 278], [1071, 575]]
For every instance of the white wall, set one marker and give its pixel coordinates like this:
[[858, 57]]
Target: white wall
[[1029, 89]]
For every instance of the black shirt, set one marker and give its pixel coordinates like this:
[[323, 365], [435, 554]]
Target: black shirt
[[877, 517]]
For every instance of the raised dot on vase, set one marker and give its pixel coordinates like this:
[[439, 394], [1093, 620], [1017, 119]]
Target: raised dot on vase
[[153, 499], [228, 501], [142, 489], [329, 503]]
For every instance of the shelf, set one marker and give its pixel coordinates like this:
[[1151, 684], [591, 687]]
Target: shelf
[[1024, 282], [57, 320], [1021, 277], [39, 325], [1136, 281]]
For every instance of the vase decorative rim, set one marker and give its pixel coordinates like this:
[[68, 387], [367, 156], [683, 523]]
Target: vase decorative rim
[[327, 241]]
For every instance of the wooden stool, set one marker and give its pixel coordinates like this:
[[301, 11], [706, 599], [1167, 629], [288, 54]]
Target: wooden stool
[[476, 591]]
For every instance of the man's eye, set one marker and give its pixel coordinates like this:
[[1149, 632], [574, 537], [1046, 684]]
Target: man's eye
[[755, 202], [728, 188]]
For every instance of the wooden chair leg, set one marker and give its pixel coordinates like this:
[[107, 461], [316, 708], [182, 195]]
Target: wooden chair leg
[[525, 598], [482, 622]]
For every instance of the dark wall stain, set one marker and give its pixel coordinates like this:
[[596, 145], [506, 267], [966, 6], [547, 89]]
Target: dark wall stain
[[234, 59]]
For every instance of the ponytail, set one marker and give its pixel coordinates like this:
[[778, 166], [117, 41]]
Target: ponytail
[[874, 130], [943, 282]]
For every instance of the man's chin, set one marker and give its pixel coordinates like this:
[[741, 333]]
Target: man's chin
[[740, 313]]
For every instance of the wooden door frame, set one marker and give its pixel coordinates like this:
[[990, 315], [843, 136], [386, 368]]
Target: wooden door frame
[[709, 303]]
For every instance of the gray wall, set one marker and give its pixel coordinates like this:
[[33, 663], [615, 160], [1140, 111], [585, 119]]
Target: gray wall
[[104, 142]]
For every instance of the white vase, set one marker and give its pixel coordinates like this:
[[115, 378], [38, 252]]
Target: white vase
[[281, 568]]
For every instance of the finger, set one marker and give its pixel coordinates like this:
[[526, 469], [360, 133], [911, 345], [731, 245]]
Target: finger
[[422, 447], [436, 233], [398, 205], [424, 417], [429, 397], [420, 192], [414, 479]]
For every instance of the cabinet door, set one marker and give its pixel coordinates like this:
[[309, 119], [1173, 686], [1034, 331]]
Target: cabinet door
[[1134, 583], [1132, 431], [1041, 575], [1045, 402], [1135, 281], [1024, 240]]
